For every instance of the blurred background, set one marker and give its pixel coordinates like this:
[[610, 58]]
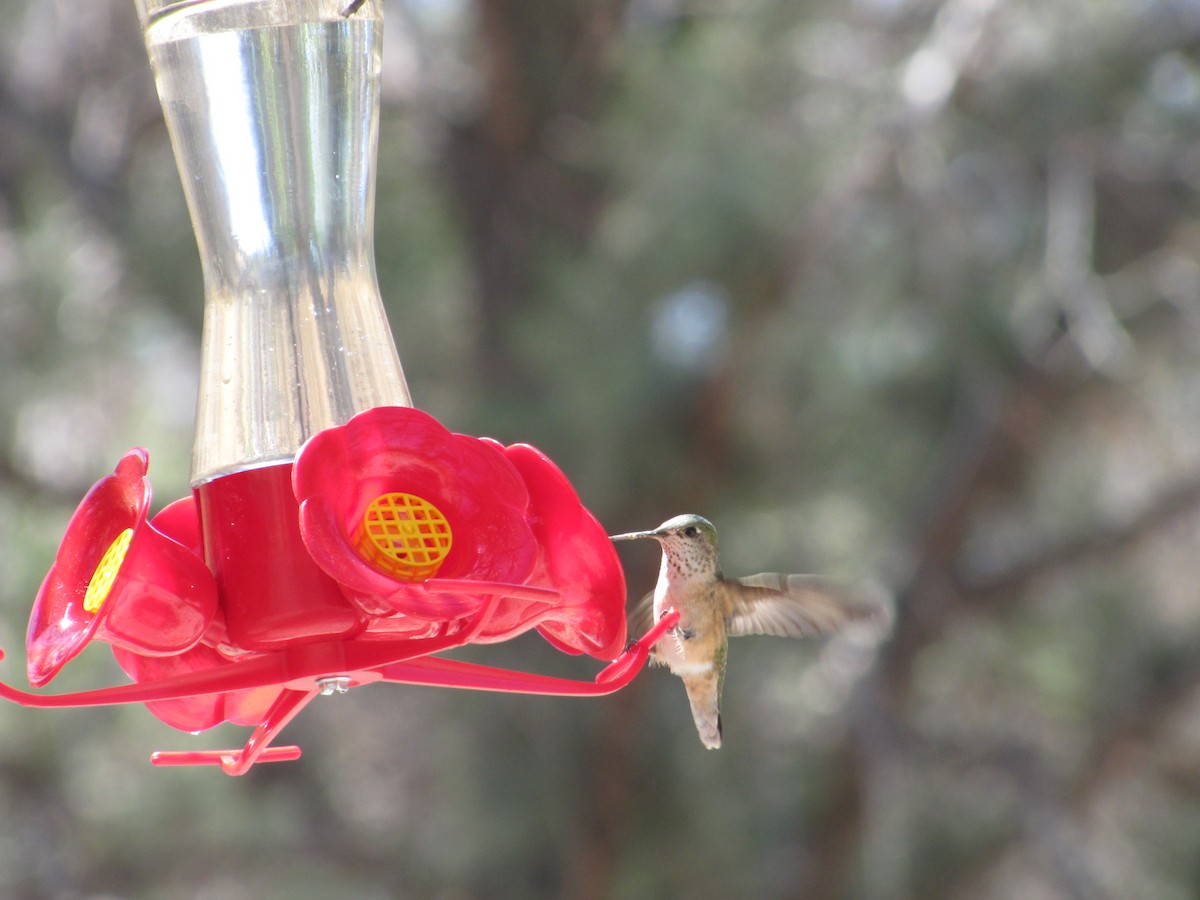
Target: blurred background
[[906, 290]]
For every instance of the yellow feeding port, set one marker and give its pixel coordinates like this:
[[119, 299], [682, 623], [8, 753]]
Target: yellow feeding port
[[106, 572], [405, 536]]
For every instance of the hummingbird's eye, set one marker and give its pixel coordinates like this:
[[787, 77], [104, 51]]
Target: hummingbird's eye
[[691, 531]]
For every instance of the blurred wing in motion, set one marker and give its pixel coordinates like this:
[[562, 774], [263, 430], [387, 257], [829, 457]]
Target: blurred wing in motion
[[791, 605], [640, 617]]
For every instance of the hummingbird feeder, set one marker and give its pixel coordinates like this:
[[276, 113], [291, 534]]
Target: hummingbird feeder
[[335, 536]]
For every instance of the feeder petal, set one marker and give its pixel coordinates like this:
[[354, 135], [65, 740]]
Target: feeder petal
[[118, 579]]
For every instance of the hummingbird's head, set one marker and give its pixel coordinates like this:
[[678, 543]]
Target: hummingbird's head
[[689, 542]]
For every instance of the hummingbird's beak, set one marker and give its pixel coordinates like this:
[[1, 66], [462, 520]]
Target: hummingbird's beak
[[633, 536]]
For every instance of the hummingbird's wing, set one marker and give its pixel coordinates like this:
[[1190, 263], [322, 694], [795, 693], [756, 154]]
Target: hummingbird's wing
[[640, 617], [790, 605]]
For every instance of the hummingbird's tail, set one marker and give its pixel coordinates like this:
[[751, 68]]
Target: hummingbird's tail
[[704, 695]]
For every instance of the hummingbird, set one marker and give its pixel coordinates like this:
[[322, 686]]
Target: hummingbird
[[712, 608]]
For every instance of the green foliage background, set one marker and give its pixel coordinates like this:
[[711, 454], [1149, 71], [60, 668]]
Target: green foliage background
[[905, 290]]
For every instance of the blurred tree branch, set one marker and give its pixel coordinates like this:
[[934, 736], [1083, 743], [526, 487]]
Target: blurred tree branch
[[1174, 503]]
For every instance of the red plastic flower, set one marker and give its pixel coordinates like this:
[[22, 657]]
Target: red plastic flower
[[118, 579], [392, 499], [582, 605], [408, 518]]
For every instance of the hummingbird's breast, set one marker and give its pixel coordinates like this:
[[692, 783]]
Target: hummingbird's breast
[[691, 647]]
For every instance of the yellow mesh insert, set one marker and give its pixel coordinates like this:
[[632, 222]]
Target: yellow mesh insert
[[404, 535], [106, 572]]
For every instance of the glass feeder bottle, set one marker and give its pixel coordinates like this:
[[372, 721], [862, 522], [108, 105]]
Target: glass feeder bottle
[[272, 107]]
